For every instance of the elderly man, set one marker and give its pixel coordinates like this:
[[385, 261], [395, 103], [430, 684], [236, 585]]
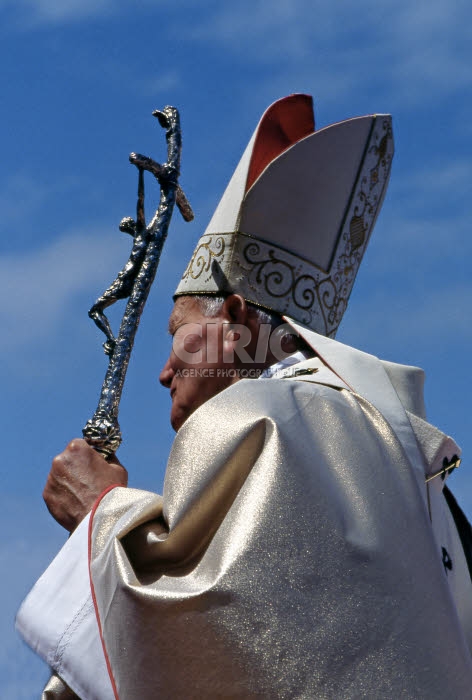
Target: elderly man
[[303, 546]]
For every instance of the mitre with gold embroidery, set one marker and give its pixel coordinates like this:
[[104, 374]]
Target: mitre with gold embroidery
[[292, 226]]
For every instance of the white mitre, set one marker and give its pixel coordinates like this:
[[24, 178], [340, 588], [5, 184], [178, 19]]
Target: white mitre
[[292, 226]]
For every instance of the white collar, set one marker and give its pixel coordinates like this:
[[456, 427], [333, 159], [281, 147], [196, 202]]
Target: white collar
[[277, 368]]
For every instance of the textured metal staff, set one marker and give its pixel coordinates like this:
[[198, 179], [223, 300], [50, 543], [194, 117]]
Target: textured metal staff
[[102, 431]]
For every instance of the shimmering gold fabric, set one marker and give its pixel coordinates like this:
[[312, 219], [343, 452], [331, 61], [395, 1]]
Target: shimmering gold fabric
[[56, 689], [291, 556]]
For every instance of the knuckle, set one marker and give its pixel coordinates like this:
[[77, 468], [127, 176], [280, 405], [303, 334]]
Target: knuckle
[[57, 462], [76, 445]]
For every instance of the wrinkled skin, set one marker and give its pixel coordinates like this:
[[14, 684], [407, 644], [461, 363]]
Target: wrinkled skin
[[209, 344], [77, 477]]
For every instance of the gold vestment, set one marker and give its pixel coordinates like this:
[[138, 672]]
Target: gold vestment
[[290, 556]]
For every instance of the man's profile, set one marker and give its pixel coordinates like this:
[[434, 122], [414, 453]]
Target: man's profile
[[304, 545]]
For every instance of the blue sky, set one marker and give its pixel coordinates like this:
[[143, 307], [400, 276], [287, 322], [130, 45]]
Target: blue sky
[[80, 79]]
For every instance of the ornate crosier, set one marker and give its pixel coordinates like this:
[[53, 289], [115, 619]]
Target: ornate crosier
[[134, 281]]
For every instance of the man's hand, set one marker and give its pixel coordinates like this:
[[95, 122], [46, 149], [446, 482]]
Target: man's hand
[[77, 477]]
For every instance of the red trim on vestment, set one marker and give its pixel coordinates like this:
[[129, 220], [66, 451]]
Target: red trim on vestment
[[95, 506], [285, 122]]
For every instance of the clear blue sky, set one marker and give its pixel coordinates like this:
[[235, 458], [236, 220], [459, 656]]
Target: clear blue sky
[[80, 79]]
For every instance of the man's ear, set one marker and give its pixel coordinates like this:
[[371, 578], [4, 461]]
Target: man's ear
[[238, 332], [235, 309]]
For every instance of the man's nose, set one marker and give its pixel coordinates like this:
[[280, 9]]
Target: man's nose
[[166, 375]]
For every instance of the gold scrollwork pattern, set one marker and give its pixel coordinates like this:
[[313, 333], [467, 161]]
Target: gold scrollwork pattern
[[213, 248], [359, 222], [281, 280], [277, 276]]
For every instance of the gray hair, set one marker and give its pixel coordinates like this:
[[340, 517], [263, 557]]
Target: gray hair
[[211, 306]]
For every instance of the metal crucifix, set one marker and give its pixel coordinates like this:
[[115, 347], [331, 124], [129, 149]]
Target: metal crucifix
[[134, 281]]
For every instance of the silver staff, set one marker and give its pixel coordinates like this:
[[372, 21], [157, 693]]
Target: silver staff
[[102, 431]]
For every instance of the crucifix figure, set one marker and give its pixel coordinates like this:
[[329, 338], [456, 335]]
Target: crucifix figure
[[122, 286]]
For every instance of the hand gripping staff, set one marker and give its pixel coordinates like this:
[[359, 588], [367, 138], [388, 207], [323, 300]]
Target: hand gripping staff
[[134, 281]]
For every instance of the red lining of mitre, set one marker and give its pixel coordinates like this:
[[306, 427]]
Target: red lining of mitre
[[285, 122]]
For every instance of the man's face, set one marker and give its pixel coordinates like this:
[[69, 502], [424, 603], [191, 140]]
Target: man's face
[[199, 365]]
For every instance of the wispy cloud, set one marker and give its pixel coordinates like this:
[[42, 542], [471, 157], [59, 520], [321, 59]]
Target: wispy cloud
[[416, 47], [419, 249], [31, 13], [140, 82], [430, 44], [446, 179], [22, 196], [158, 85], [434, 318], [38, 287], [412, 50], [424, 228]]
